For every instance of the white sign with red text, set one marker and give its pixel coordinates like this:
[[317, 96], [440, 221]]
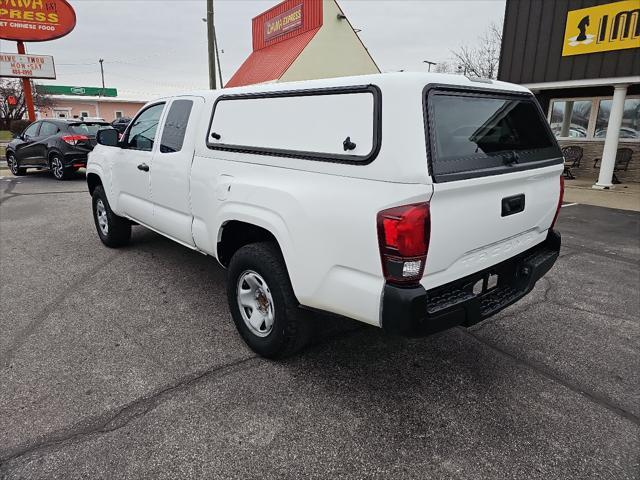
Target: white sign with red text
[[31, 66]]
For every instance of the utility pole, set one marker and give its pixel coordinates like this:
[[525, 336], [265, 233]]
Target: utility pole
[[211, 43], [215, 39]]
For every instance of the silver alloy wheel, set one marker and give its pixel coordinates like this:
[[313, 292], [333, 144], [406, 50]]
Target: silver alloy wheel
[[255, 303], [57, 167], [13, 164], [101, 215]]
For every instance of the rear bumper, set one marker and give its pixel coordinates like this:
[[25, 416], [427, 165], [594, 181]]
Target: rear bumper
[[415, 311], [75, 159]]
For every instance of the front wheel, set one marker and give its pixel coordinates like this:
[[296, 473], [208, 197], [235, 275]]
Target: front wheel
[[114, 231], [12, 162], [262, 303]]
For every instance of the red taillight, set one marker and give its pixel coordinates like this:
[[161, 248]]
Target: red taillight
[[555, 217], [74, 139], [403, 237]]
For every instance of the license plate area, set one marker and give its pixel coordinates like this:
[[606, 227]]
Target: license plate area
[[485, 284]]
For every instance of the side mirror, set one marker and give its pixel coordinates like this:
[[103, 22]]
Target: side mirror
[[107, 137]]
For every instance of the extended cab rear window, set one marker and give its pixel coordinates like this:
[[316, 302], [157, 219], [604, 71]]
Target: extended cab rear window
[[475, 134], [328, 124]]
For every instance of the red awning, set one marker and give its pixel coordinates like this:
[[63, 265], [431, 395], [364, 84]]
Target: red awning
[[270, 63]]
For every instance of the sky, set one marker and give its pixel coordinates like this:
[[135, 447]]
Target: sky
[[155, 47]]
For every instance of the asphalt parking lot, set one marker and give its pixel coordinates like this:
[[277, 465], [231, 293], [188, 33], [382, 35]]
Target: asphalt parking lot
[[125, 363]]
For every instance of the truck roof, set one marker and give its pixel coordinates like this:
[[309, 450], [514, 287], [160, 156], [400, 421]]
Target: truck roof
[[408, 79]]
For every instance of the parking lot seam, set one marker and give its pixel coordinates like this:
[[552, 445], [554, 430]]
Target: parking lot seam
[[580, 249], [115, 420], [546, 372], [8, 192], [12, 195]]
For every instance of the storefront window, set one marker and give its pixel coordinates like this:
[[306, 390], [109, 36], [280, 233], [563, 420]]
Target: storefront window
[[570, 118], [630, 128]]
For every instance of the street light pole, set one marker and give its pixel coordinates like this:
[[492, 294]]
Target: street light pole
[[102, 75], [429, 63], [211, 39]]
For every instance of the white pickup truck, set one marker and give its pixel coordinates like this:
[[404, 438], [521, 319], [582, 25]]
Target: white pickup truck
[[412, 202]]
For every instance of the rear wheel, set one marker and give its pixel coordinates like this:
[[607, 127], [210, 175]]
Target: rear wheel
[[13, 165], [262, 303], [57, 167], [114, 231]]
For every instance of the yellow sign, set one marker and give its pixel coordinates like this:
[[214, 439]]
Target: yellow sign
[[613, 26]]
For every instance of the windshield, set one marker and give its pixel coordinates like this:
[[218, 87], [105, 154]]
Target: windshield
[[89, 129], [486, 134]]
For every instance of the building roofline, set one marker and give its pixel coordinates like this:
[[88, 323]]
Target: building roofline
[[589, 82], [74, 98]]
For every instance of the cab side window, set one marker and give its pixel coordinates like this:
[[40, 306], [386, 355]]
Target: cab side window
[[142, 132], [32, 130], [175, 126], [47, 129]]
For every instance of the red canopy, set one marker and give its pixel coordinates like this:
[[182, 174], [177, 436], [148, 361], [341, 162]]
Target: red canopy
[[270, 63]]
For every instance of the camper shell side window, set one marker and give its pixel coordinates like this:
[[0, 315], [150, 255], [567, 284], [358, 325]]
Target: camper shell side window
[[341, 124]]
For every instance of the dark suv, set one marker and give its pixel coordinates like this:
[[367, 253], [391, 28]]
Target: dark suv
[[121, 124], [59, 145]]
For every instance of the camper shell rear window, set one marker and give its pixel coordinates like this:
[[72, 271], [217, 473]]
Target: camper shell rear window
[[476, 133], [337, 124]]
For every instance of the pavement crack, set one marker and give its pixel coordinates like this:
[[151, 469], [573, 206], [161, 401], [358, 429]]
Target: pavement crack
[[548, 373], [23, 334], [115, 420]]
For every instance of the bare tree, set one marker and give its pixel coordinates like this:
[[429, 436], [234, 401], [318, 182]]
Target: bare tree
[[13, 87], [482, 59], [446, 66]]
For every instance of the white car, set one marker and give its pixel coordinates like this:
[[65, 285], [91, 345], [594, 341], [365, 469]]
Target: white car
[[411, 202]]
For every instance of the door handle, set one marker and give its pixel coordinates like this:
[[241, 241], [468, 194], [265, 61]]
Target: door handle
[[144, 167]]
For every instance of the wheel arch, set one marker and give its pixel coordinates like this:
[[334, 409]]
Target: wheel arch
[[93, 181], [235, 234], [50, 154]]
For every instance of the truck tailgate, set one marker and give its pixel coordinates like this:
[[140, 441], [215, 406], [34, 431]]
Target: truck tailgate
[[469, 231]]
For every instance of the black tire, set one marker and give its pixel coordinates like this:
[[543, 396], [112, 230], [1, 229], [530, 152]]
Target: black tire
[[291, 328], [118, 229], [12, 163], [57, 167]]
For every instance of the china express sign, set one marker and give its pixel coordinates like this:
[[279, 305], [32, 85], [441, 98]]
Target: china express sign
[[613, 26], [283, 23], [35, 20]]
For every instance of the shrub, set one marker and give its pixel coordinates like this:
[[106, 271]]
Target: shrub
[[17, 126]]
